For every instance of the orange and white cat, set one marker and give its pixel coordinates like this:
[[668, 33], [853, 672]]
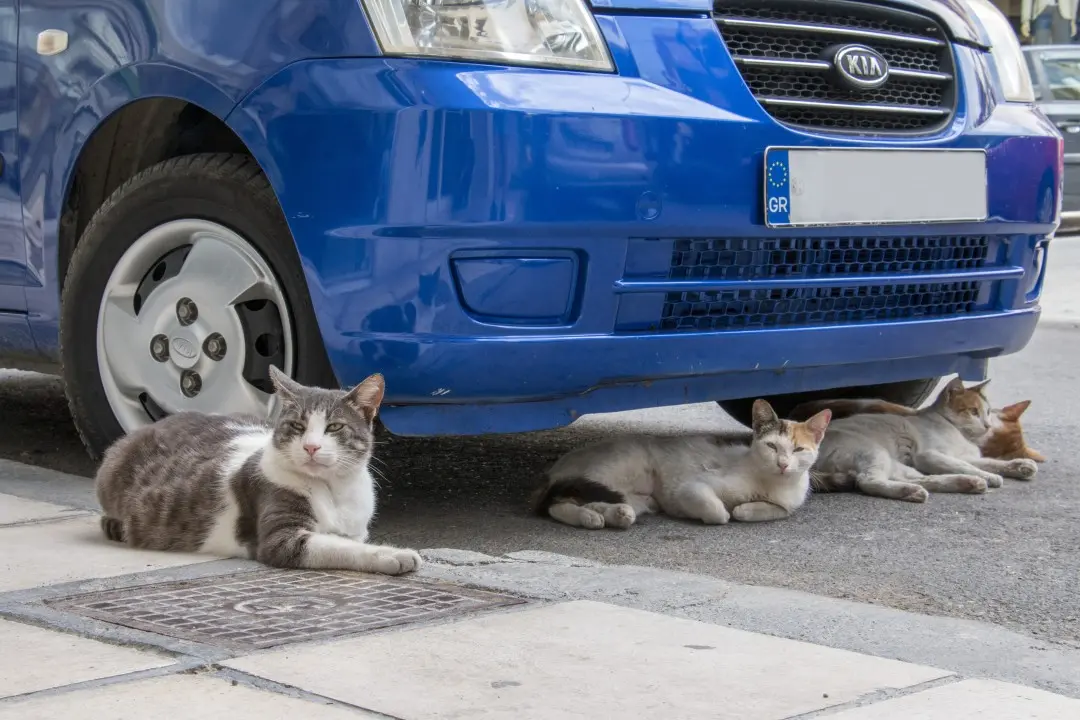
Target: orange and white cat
[[905, 456], [1004, 441]]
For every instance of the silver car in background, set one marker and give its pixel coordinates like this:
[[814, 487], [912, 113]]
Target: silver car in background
[[1055, 75]]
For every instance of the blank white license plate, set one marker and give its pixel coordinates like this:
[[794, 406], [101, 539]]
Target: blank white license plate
[[833, 186]]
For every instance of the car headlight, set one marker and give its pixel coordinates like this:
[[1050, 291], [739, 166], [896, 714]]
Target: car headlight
[[552, 33], [1005, 50]]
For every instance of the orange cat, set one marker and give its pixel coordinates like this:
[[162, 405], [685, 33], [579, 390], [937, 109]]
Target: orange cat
[[1004, 442], [1006, 438]]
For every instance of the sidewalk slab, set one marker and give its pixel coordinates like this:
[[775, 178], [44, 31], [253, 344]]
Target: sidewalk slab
[[67, 550], [583, 659], [970, 700], [176, 697], [36, 659], [18, 510]]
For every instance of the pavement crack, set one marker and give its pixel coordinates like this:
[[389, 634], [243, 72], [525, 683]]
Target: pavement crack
[[183, 666], [258, 683], [878, 696]]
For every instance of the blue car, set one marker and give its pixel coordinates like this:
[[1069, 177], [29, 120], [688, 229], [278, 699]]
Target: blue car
[[518, 211]]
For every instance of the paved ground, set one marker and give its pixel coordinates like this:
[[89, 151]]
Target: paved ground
[[1011, 557], [93, 628]]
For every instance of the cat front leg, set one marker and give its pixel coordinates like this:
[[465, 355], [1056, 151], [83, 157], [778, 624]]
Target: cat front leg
[[1019, 469], [576, 516], [301, 548], [971, 484], [594, 516], [874, 480], [616, 515], [935, 462], [698, 501], [333, 552], [758, 512]]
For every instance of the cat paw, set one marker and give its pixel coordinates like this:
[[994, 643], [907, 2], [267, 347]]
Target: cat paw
[[973, 485], [742, 513], [591, 520], [719, 518], [915, 495], [621, 517], [393, 561], [1022, 469], [994, 481]]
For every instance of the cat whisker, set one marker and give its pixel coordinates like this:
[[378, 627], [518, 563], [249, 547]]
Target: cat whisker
[[378, 473]]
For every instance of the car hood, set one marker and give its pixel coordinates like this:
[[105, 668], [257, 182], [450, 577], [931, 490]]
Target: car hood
[[953, 13]]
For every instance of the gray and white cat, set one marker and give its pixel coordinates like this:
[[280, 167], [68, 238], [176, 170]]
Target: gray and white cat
[[904, 456], [706, 478], [297, 493]]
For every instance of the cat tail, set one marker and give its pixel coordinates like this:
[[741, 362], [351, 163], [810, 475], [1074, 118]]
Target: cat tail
[[842, 408], [113, 529], [1035, 455], [577, 490]]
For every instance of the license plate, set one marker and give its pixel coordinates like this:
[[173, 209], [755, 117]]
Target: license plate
[[807, 187]]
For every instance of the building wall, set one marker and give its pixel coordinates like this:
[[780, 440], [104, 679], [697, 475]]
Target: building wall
[[1011, 8]]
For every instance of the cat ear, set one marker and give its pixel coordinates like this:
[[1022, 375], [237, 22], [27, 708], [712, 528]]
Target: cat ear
[[1014, 411], [763, 415], [954, 387], [366, 397], [284, 385], [819, 423]]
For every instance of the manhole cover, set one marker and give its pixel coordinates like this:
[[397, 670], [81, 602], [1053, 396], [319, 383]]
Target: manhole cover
[[263, 609]]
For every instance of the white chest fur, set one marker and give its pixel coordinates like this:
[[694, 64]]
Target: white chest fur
[[344, 508]]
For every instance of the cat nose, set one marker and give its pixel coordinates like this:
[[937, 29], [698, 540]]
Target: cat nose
[[783, 466], [312, 448]]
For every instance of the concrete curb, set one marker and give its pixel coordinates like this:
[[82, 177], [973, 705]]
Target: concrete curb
[[968, 647]]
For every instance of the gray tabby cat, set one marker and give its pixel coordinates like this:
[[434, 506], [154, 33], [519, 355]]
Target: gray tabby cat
[[904, 456], [705, 478], [297, 493]]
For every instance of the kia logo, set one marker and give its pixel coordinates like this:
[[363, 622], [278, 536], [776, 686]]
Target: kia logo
[[184, 348], [860, 67]]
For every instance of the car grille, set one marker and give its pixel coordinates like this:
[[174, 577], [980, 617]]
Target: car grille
[[756, 258], [739, 309], [717, 284], [784, 48]]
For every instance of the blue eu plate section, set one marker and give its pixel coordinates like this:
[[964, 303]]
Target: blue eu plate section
[[831, 187], [777, 188]]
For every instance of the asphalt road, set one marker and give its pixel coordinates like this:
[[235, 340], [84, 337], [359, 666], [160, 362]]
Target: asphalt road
[[1011, 557]]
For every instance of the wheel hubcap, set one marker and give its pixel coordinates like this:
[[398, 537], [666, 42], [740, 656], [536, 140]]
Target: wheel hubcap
[[191, 319]]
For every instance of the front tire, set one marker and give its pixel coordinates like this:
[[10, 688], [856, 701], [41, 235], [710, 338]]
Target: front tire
[[185, 287], [911, 393]]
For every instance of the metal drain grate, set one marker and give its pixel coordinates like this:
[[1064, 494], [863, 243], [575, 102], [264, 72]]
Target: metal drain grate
[[263, 609]]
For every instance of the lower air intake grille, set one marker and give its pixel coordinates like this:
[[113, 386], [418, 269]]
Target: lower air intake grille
[[738, 309], [753, 258]]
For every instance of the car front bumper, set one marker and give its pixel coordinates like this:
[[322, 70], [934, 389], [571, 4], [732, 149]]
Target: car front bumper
[[497, 241]]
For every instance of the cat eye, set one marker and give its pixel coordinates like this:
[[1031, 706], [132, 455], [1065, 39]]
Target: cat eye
[[771, 446], [800, 448], [334, 427], [299, 427]]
